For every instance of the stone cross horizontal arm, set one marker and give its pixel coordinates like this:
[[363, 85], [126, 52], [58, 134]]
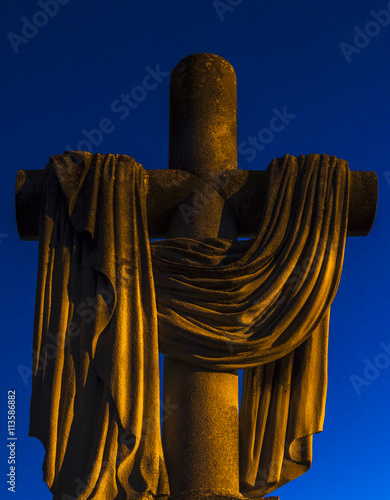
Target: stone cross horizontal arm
[[243, 190]]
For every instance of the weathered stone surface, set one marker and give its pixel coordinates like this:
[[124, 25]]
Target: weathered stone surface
[[244, 191], [201, 438]]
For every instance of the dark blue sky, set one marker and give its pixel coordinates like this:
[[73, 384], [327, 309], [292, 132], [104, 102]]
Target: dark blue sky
[[66, 77]]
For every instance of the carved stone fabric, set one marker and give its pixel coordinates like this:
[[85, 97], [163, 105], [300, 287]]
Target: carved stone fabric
[[107, 299]]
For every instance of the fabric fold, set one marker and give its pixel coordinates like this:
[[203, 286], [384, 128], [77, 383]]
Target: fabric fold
[[95, 395], [107, 300]]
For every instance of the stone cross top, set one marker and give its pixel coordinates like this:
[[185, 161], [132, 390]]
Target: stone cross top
[[202, 194]]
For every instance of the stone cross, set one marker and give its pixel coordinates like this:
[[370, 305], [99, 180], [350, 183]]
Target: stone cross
[[202, 194]]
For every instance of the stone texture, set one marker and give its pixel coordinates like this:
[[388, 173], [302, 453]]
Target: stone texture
[[201, 434], [201, 438], [243, 189]]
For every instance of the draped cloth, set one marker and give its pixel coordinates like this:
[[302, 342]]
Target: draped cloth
[[108, 300]]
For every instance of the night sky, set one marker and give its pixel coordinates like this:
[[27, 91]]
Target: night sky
[[326, 64]]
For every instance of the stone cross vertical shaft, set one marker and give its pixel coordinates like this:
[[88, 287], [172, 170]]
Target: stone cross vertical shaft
[[200, 438]]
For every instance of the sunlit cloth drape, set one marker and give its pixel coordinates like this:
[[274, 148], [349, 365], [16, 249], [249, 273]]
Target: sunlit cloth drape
[[106, 299]]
